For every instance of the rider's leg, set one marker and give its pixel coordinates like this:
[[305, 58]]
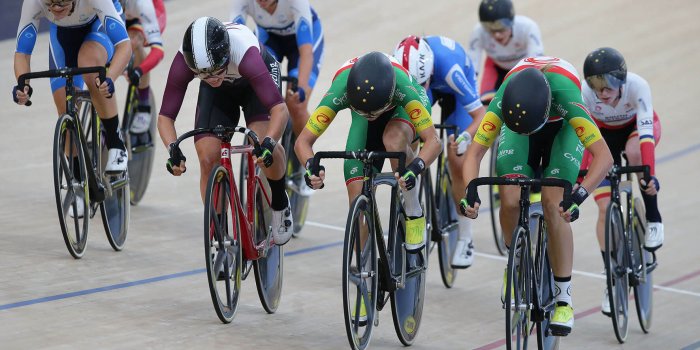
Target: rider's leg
[[142, 118], [655, 226], [398, 137], [208, 152]]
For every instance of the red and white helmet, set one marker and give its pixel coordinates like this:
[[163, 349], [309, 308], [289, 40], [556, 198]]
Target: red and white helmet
[[415, 55]]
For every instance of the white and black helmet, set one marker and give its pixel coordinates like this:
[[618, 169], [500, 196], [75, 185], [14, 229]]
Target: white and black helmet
[[206, 45]]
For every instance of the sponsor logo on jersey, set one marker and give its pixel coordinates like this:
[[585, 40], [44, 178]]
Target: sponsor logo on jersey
[[323, 119], [415, 113], [517, 168], [580, 131], [399, 95], [340, 101], [505, 152], [353, 171], [573, 159], [488, 126], [554, 171]]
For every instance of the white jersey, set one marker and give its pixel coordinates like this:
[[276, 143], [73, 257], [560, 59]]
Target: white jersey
[[241, 39], [144, 11], [288, 16], [85, 11], [635, 101], [526, 41]]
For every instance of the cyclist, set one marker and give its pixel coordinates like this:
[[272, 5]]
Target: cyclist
[[82, 34], [545, 120], [620, 103], [291, 29], [506, 38], [389, 110], [443, 68], [235, 72], [145, 22]]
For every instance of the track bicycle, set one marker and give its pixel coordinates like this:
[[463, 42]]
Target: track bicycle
[[440, 210], [237, 235], [529, 295], [81, 185], [377, 268], [140, 146], [627, 263]]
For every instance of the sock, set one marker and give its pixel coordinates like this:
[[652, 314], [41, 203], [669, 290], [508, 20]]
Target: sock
[[113, 138], [279, 194], [562, 290], [652, 207], [465, 228], [411, 203], [144, 96]]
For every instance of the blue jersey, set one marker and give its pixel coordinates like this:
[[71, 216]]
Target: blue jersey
[[453, 73]]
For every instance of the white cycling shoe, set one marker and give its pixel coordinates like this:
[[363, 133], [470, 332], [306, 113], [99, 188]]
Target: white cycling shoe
[[141, 122], [79, 207], [116, 161], [464, 254], [655, 236], [282, 224]]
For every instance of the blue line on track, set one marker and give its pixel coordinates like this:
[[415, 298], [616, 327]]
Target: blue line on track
[[693, 346], [664, 159]]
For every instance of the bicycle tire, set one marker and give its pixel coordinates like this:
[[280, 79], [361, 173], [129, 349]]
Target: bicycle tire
[[295, 178], [115, 210], [616, 271], [269, 267], [141, 153], [406, 302], [644, 290], [67, 188], [360, 284], [448, 229], [222, 245], [518, 288], [495, 204]]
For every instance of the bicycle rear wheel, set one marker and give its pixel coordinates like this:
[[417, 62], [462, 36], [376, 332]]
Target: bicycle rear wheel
[[360, 275], [295, 181], [518, 301], [141, 153], [71, 186], [407, 302], [222, 245], [269, 266], [544, 283], [448, 228], [644, 286], [495, 204], [616, 270]]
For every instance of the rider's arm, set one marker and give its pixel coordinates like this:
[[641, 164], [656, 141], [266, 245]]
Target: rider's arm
[[26, 36], [304, 35], [253, 68], [152, 35], [645, 121], [116, 31], [175, 88], [465, 91]]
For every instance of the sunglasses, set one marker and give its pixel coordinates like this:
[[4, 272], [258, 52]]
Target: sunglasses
[[210, 75], [58, 4]]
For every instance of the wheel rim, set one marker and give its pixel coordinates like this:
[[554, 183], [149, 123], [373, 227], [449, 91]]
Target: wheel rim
[[616, 272], [222, 248]]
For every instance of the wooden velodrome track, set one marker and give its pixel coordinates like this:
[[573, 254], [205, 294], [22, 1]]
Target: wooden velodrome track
[[154, 293]]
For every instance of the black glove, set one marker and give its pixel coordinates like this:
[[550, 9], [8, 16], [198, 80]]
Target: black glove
[[412, 171], [464, 203], [135, 75], [579, 195], [176, 157], [643, 186], [110, 86], [265, 151], [309, 172], [17, 88]]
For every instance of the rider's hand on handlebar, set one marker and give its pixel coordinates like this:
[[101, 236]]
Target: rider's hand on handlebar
[[471, 212], [578, 195], [314, 181], [21, 96], [408, 179], [176, 162], [460, 145], [106, 87], [652, 188], [298, 95], [135, 75], [264, 154]]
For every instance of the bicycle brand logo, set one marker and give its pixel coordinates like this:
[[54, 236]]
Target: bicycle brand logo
[[488, 126], [415, 114]]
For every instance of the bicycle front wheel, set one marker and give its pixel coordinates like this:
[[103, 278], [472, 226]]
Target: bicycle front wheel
[[360, 274], [269, 266], [222, 245], [518, 301], [115, 209], [71, 186], [544, 283], [644, 286], [616, 270]]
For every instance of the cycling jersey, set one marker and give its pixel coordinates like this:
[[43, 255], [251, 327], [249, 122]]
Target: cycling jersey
[[634, 107], [141, 15], [245, 62], [412, 107], [569, 139], [453, 82], [293, 24]]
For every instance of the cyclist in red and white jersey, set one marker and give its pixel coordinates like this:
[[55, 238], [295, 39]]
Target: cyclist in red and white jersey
[[506, 39], [145, 22], [620, 103]]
